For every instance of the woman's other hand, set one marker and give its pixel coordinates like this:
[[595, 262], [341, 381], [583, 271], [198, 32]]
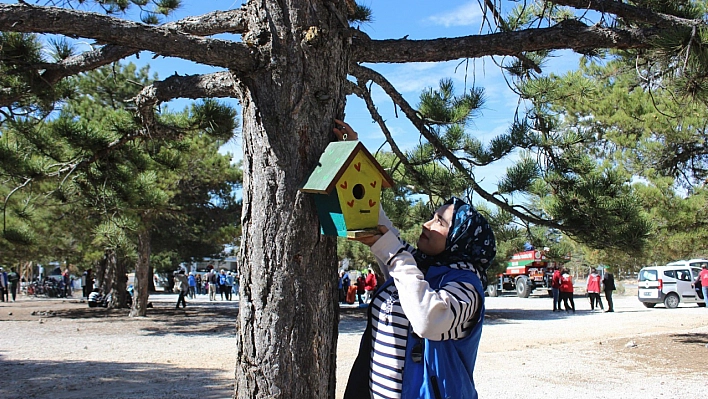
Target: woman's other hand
[[344, 132]]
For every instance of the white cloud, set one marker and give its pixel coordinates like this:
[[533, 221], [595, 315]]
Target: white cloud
[[464, 15]]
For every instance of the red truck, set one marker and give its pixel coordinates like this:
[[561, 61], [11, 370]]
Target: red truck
[[525, 272]]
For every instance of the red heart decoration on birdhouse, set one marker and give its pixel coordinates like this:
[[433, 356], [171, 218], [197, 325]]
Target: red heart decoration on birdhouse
[[372, 203], [343, 185], [357, 166], [350, 203], [373, 184]]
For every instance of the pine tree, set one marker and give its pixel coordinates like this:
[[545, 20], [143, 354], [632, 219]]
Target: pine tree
[[289, 72]]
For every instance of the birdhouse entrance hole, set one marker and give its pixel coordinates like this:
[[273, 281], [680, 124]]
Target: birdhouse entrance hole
[[358, 191]]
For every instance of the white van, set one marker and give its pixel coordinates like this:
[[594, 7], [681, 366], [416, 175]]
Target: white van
[[671, 284]]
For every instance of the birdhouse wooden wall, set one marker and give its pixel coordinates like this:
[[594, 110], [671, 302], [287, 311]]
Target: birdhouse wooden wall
[[359, 193], [347, 184]]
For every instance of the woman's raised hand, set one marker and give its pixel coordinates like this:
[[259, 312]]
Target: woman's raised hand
[[371, 240], [344, 132]]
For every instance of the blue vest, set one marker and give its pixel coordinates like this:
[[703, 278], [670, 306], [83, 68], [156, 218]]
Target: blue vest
[[447, 366]]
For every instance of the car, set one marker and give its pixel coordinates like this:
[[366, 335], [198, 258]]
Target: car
[[671, 284]]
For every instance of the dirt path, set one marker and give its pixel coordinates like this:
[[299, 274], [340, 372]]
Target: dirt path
[[66, 350]]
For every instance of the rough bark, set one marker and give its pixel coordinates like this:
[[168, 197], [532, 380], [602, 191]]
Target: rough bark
[[118, 286], [106, 271], [287, 327], [142, 276]]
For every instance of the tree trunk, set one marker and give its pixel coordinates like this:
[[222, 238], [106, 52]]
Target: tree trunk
[[151, 281], [142, 276], [100, 271], [108, 271], [118, 288], [288, 313], [25, 271]]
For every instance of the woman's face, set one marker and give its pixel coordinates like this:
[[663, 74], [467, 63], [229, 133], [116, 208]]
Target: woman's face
[[434, 235]]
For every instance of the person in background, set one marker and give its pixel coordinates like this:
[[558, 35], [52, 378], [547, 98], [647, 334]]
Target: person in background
[[13, 279], [703, 278], [555, 288], [192, 293], [360, 281], [340, 287], [198, 280], [351, 293], [212, 284], [229, 285], [593, 289], [427, 316], [4, 288], [66, 279], [346, 283], [566, 290], [221, 281], [608, 285], [182, 287], [370, 285]]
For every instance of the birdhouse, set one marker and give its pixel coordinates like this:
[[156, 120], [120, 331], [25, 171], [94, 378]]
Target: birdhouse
[[347, 184]]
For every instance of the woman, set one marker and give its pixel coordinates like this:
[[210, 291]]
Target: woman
[[427, 316], [566, 290], [593, 289], [370, 285], [181, 287]]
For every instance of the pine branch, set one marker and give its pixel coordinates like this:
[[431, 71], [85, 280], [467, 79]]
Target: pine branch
[[568, 34], [166, 41], [213, 85], [365, 94], [363, 74], [232, 21], [219, 84], [215, 22], [630, 13]]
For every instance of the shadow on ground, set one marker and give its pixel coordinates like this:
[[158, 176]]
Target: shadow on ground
[[195, 319], [352, 321], [72, 379], [691, 339], [510, 316]]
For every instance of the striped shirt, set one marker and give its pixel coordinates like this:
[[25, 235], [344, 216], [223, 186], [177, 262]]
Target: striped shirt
[[443, 314]]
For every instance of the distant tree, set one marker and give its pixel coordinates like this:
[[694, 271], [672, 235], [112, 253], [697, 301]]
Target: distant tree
[[646, 130], [127, 185]]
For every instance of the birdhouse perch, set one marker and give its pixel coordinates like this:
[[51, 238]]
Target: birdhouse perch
[[347, 184]]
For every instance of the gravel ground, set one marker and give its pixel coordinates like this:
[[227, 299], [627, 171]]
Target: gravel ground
[[62, 349]]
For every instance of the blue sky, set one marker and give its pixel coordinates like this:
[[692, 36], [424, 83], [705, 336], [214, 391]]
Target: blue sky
[[419, 20], [395, 19]]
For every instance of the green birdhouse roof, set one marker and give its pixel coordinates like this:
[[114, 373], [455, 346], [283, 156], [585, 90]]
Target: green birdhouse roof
[[332, 164]]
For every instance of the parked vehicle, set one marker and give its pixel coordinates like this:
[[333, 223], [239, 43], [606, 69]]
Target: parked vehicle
[[671, 284], [525, 272]]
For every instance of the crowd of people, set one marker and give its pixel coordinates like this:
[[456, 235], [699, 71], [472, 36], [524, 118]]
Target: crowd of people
[[563, 291], [361, 289], [214, 283]]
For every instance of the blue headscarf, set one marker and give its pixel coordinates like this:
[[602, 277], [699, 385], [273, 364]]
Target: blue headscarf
[[470, 242]]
